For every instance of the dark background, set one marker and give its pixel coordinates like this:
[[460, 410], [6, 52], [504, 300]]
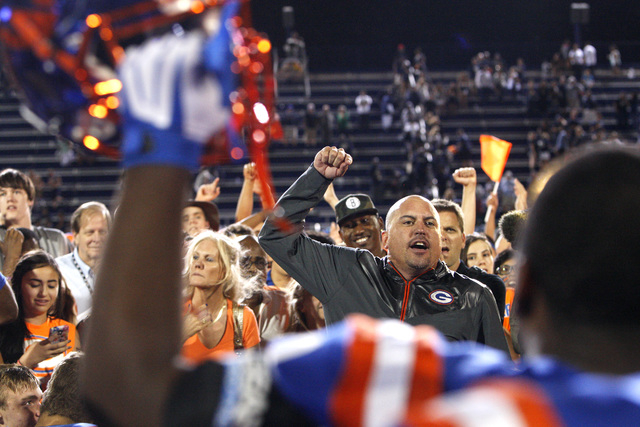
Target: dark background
[[363, 35]]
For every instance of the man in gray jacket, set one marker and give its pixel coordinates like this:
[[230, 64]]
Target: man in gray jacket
[[410, 283]]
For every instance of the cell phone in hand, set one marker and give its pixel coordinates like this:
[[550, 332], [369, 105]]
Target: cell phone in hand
[[58, 334]]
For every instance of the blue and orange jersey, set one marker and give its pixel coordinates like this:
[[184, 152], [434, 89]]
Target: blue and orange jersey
[[365, 372]]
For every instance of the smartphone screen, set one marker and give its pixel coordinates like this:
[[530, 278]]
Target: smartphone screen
[[58, 334]]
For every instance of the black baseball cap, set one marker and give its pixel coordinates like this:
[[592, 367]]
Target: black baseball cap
[[354, 205]]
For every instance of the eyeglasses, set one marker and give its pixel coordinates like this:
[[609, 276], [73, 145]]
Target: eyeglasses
[[259, 262], [505, 269]]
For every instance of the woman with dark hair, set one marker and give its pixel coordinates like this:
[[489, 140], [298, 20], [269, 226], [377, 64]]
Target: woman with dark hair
[[43, 303], [478, 252]]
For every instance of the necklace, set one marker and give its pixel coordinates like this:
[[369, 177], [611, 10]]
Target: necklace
[[84, 278]]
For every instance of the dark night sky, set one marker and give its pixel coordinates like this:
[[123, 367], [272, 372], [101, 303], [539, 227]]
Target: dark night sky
[[343, 34]]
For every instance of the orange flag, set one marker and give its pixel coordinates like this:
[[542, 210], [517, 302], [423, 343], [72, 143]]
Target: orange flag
[[495, 153]]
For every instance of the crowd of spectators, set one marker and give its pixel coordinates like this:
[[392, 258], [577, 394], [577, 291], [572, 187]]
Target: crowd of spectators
[[423, 264], [558, 100]]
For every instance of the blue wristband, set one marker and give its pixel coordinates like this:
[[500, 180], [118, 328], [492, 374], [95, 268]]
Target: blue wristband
[[3, 281]]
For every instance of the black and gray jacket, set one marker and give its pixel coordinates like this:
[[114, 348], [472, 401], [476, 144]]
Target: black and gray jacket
[[348, 280]]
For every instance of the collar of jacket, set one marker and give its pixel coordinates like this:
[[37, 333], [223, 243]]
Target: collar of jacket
[[436, 273]]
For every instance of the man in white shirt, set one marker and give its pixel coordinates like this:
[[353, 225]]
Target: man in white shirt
[[590, 56], [90, 225], [363, 108]]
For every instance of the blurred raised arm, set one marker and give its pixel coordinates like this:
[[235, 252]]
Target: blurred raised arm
[[468, 179], [135, 328]]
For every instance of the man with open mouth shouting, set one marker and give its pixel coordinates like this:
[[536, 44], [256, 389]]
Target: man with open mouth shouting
[[411, 283]]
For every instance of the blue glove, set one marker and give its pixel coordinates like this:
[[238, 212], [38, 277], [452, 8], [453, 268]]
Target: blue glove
[[170, 103]]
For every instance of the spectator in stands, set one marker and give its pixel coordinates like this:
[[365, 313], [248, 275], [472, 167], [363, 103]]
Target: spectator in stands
[[506, 191], [588, 80], [253, 260], [325, 122], [90, 225], [342, 120], [573, 92], [478, 252], [387, 110], [453, 242], [505, 267], [308, 312], [576, 59], [310, 124], [514, 82], [590, 56], [271, 305], [198, 216], [20, 396], [360, 223], [17, 197], [41, 295], [62, 403], [215, 322], [363, 108], [615, 59], [290, 120], [349, 280], [484, 83], [420, 61], [511, 225], [413, 125]]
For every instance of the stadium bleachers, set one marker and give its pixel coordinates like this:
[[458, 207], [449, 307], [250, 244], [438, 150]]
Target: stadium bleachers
[[23, 147]]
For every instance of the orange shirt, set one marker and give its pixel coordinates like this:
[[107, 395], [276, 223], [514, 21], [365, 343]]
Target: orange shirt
[[508, 305], [194, 351], [40, 333]]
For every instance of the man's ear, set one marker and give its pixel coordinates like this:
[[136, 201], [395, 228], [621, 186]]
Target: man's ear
[[30, 204], [385, 240]]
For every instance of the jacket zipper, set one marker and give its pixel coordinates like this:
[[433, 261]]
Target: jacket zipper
[[405, 297]]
